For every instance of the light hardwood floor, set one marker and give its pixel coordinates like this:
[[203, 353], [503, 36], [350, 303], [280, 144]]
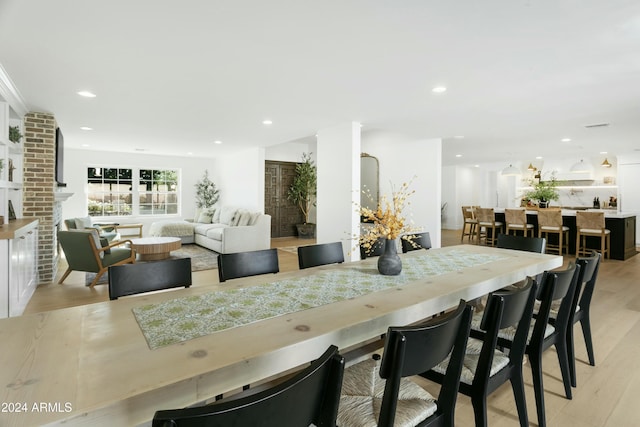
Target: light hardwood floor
[[606, 394]]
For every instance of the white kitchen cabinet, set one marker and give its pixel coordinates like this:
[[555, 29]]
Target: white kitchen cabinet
[[18, 265]]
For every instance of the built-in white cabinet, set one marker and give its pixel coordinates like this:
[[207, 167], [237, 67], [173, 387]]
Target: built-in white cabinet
[[11, 162], [18, 265]]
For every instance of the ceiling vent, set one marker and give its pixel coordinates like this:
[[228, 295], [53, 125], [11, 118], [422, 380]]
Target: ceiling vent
[[598, 125]]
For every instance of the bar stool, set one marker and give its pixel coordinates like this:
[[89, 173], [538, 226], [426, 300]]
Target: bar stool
[[470, 222], [487, 220], [591, 224], [516, 220], [550, 222]]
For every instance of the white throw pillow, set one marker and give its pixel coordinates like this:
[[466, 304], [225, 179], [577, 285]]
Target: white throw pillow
[[254, 218], [227, 214], [204, 218], [215, 217], [245, 218], [82, 223]]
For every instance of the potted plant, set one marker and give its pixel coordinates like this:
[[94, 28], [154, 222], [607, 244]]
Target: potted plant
[[14, 134], [206, 192], [543, 191], [303, 193]]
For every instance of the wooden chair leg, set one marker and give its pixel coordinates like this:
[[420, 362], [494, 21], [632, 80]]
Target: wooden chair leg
[[64, 276], [98, 276]]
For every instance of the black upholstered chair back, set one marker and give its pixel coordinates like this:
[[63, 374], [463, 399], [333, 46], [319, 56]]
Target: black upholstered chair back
[[415, 241], [522, 243], [131, 279], [376, 249], [412, 350], [244, 264], [310, 397], [321, 254]]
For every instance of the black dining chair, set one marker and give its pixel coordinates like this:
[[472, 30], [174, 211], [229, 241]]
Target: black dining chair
[[309, 397], [244, 264], [320, 254], [522, 243], [415, 241], [581, 310], [486, 366], [131, 279], [408, 351], [375, 249], [557, 288]]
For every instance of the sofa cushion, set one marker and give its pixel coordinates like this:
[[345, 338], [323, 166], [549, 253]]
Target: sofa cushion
[[202, 229], [227, 214], [216, 233]]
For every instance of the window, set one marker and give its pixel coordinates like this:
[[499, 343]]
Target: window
[[114, 191]]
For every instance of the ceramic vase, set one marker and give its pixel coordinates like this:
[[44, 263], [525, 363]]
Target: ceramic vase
[[389, 263]]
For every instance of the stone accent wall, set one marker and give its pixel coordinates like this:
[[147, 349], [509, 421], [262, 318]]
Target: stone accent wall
[[38, 198]]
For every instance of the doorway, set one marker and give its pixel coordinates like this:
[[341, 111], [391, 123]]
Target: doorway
[[284, 214]]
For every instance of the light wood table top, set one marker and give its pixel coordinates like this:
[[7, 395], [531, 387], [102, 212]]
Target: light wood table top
[[155, 248], [92, 366]]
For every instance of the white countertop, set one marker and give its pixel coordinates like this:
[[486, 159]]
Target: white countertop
[[608, 213]]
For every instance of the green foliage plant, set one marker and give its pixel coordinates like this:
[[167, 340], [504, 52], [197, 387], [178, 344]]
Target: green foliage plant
[[14, 134], [543, 191], [303, 189], [206, 192]]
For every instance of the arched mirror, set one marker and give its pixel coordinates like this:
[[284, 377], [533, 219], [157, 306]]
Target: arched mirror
[[369, 181]]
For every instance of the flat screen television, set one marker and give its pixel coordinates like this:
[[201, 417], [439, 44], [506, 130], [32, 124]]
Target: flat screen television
[[60, 158]]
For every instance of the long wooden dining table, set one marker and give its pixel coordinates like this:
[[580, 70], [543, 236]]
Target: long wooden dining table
[[91, 365]]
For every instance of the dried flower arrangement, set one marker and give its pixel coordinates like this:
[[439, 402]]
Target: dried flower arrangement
[[388, 220]]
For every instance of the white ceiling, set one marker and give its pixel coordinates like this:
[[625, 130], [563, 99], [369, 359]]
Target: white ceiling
[[171, 77]]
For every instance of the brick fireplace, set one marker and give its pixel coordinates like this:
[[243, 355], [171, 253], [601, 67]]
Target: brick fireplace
[[39, 188]]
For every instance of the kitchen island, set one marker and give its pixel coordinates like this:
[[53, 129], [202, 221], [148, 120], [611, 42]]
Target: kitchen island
[[622, 226]]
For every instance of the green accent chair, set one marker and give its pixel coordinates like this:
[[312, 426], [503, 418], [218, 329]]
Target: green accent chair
[[84, 252], [108, 232]]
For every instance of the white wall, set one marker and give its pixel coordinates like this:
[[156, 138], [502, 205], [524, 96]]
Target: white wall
[[241, 175], [191, 169], [403, 158]]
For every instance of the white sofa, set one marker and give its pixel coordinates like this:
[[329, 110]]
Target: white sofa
[[225, 229]]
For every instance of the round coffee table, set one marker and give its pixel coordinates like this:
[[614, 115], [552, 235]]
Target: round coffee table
[[155, 248]]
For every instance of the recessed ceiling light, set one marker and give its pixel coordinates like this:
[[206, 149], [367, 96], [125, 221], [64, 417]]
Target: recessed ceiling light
[[458, 155], [140, 149], [476, 166], [603, 152], [189, 153], [217, 142], [439, 89], [538, 157], [85, 128], [87, 94], [86, 145], [267, 122], [565, 139], [458, 137]]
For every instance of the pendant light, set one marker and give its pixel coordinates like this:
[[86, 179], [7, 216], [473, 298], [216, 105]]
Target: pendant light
[[511, 171], [606, 164], [581, 166]]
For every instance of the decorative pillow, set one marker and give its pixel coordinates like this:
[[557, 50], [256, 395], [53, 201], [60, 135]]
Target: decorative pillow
[[82, 223], [254, 217], [215, 217], [245, 218], [236, 218], [204, 218], [227, 214]]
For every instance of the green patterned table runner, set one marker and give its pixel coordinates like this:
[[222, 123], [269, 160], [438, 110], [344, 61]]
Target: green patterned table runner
[[185, 318]]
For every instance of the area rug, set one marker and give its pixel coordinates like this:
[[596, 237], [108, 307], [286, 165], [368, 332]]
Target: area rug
[[201, 259]]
